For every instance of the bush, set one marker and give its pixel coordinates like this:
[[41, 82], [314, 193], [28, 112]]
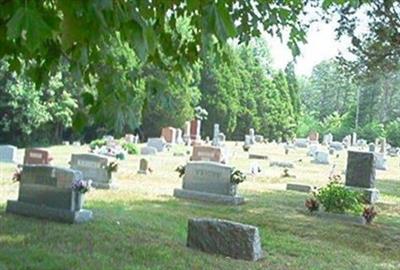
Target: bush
[[131, 148], [393, 133], [97, 144], [372, 131], [335, 197]]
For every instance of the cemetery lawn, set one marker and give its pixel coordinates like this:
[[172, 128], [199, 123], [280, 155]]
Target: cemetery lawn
[[141, 226]]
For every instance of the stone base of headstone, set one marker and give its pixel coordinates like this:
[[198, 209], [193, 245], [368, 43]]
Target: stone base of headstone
[[33, 210], [300, 187], [255, 156], [208, 197], [342, 217], [111, 185], [223, 237], [370, 195]]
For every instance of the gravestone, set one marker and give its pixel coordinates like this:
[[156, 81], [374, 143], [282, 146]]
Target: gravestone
[[186, 135], [300, 187], [282, 164], [147, 150], [143, 166], [371, 147], [157, 143], [76, 143], [313, 136], [257, 156], [207, 153], [301, 143], [382, 148], [37, 156], [169, 134], [227, 238], [360, 173], [65, 143], [347, 141], [354, 139], [215, 140], [312, 149], [179, 139], [328, 138], [195, 128], [381, 161], [93, 167], [259, 138], [130, 138], [8, 153], [252, 136], [46, 192], [210, 182], [338, 146], [321, 157], [221, 139]]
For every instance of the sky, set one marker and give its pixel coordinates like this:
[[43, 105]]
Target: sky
[[321, 45]]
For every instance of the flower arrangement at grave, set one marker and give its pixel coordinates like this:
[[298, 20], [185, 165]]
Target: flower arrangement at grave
[[237, 177], [82, 186], [312, 204], [112, 167], [17, 175], [181, 170], [369, 214], [97, 144]]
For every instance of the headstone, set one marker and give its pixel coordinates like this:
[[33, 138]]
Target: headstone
[[37, 156], [313, 136], [227, 238], [252, 136], [259, 138], [283, 164], [215, 140], [179, 139], [360, 173], [257, 156], [328, 138], [157, 143], [301, 143], [354, 139], [221, 139], [93, 167], [382, 143], [46, 192], [312, 149], [347, 141], [300, 187], [209, 181], [371, 147], [65, 143], [380, 162], [186, 135], [148, 150], [321, 157], [207, 153], [8, 153], [169, 134], [143, 166], [247, 140], [76, 143], [195, 128], [130, 138], [338, 146]]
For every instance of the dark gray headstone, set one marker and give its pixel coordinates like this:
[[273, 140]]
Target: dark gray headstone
[[236, 240], [46, 192], [360, 171]]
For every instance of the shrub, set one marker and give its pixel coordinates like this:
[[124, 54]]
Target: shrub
[[393, 133], [97, 144], [131, 148], [335, 197], [371, 131]]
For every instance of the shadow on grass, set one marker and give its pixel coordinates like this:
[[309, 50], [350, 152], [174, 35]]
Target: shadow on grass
[[149, 234]]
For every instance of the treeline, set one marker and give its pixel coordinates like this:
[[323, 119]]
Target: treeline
[[337, 100], [236, 85]]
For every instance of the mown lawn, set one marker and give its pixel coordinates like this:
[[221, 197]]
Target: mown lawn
[[141, 226]]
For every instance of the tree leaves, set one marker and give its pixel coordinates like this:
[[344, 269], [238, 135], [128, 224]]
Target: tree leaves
[[28, 26]]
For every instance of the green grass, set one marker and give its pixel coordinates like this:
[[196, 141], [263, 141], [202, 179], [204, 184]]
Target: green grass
[[140, 226]]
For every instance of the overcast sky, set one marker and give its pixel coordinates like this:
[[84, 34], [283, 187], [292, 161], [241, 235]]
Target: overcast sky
[[321, 45]]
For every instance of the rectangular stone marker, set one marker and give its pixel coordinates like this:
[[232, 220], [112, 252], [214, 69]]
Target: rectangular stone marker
[[321, 157], [232, 239], [157, 143], [93, 167], [257, 156], [46, 192], [169, 134], [37, 156], [209, 181], [360, 173], [300, 187], [147, 150], [207, 153], [8, 153], [301, 142]]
